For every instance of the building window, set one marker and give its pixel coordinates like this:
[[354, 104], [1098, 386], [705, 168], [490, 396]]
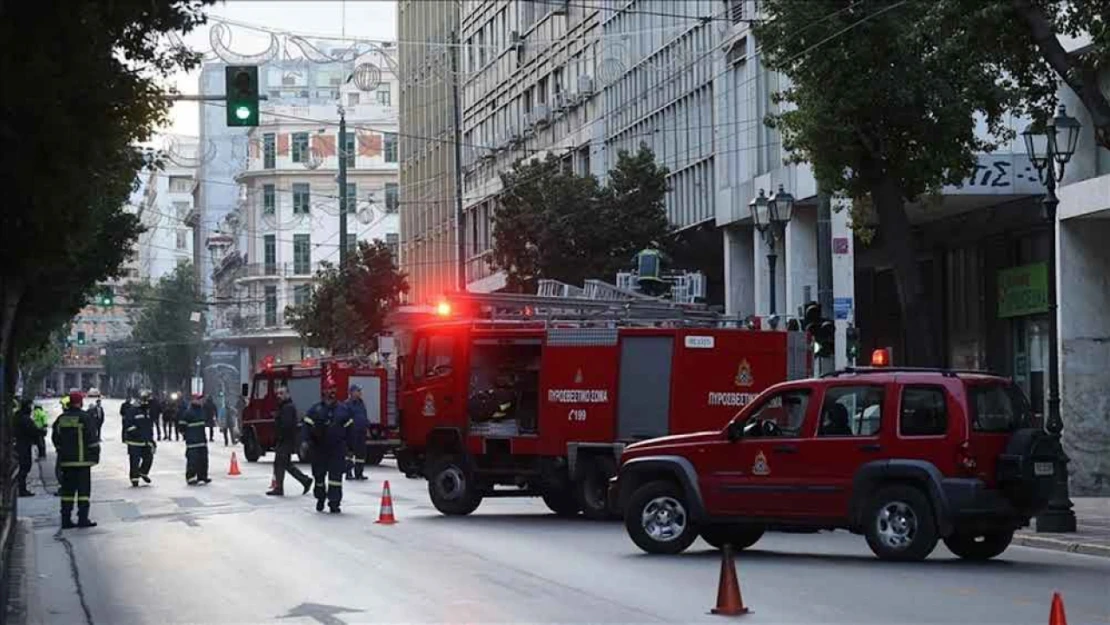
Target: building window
[[384, 96], [181, 209], [393, 242], [300, 147], [269, 151], [390, 147], [349, 151], [182, 239], [352, 99], [271, 306], [301, 294], [736, 10], [181, 184], [302, 254], [352, 197], [269, 254], [269, 199], [391, 199], [352, 242], [584, 161], [301, 198]]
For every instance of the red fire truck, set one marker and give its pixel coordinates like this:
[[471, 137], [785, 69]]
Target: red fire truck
[[533, 396], [305, 382]]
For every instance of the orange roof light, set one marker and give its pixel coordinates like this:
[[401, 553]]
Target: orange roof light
[[443, 309], [880, 357]]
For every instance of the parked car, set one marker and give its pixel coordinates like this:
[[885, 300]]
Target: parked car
[[905, 457], [93, 392]]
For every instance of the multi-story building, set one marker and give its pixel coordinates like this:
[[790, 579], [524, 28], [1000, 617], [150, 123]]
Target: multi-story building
[[289, 215], [167, 200], [429, 250]]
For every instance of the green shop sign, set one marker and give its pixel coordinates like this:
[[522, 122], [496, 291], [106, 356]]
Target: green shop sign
[[1023, 290]]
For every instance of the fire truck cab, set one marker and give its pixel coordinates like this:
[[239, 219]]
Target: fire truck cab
[[305, 382], [535, 406]]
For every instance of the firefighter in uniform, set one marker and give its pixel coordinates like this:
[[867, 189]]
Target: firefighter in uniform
[[138, 434], [355, 410], [329, 434], [286, 428], [192, 426], [78, 451]]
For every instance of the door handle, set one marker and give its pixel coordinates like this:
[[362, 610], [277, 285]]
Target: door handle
[[785, 449], [870, 447]]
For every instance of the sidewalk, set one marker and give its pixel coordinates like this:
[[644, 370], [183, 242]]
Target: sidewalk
[[1091, 538]]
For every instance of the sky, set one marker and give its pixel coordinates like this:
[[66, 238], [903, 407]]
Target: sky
[[371, 19]]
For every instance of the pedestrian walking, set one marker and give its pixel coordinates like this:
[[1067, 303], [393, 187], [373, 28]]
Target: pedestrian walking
[[42, 422], [355, 410], [156, 415], [192, 426], [225, 418], [26, 437], [78, 452], [329, 437], [286, 429], [97, 414], [210, 411], [138, 433]]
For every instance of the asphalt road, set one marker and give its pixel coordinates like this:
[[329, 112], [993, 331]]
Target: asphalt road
[[224, 553]]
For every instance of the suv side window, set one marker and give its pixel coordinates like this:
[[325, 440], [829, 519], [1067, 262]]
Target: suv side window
[[786, 409], [924, 411], [851, 411]]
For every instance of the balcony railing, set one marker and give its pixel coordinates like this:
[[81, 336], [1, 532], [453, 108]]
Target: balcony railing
[[279, 270]]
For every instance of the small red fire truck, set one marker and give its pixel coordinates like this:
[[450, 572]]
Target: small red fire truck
[[536, 396], [305, 382]]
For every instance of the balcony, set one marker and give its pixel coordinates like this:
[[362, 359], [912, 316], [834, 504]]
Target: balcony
[[279, 270]]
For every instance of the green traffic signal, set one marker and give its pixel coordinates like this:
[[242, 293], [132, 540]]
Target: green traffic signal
[[241, 88]]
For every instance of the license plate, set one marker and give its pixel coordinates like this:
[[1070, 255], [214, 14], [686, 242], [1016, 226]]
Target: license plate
[[1041, 469]]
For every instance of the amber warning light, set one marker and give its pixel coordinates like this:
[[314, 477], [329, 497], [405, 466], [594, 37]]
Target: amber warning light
[[880, 357]]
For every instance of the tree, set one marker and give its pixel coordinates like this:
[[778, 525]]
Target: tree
[[552, 223], [164, 334], [36, 361], [348, 306], [70, 161]]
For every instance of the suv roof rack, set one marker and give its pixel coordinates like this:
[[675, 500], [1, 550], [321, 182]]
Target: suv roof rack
[[949, 373]]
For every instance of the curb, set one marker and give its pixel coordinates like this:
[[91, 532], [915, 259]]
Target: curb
[[1056, 544]]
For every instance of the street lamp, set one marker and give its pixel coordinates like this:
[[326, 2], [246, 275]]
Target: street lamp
[[770, 216], [1050, 147]]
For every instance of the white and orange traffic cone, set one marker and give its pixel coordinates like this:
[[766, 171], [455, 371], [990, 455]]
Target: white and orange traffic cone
[[386, 516], [234, 468]]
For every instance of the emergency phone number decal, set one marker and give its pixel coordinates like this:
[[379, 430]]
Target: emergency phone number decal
[[578, 396]]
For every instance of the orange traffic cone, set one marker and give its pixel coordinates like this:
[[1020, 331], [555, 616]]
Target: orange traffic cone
[[386, 516], [729, 601], [1056, 614], [234, 469]]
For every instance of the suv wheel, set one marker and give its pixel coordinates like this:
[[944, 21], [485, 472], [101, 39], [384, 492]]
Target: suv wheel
[[451, 487], [899, 524], [739, 536], [658, 518], [979, 546]]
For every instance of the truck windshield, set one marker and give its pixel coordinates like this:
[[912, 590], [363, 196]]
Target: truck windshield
[[998, 408]]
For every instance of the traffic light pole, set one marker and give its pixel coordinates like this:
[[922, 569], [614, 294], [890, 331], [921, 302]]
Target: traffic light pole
[[342, 152], [824, 268]]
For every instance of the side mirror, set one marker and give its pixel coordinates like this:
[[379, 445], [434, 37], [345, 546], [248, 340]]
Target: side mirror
[[735, 431], [246, 389]]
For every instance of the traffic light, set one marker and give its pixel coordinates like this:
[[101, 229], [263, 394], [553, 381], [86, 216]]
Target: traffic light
[[107, 297], [80, 337], [241, 87], [851, 343], [811, 317], [824, 339]]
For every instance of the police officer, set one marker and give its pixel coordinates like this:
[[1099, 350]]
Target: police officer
[[286, 429], [328, 433], [192, 426], [355, 410], [78, 451], [138, 434], [26, 437]]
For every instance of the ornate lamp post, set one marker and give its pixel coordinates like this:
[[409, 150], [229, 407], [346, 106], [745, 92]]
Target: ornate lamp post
[[770, 216], [1050, 146]]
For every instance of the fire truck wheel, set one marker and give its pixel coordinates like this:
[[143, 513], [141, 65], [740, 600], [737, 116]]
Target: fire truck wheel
[[739, 536], [562, 502], [592, 488], [252, 451], [451, 487], [374, 457], [658, 518]]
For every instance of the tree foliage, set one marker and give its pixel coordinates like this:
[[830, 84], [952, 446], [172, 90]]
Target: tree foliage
[[553, 223], [38, 360], [884, 100], [89, 94], [164, 336], [348, 306]]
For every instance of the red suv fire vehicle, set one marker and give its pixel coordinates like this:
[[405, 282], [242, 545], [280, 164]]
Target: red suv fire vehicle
[[533, 406], [305, 382], [905, 457]]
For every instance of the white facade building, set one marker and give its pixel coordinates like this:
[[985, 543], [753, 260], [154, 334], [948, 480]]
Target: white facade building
[[166, 202]]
